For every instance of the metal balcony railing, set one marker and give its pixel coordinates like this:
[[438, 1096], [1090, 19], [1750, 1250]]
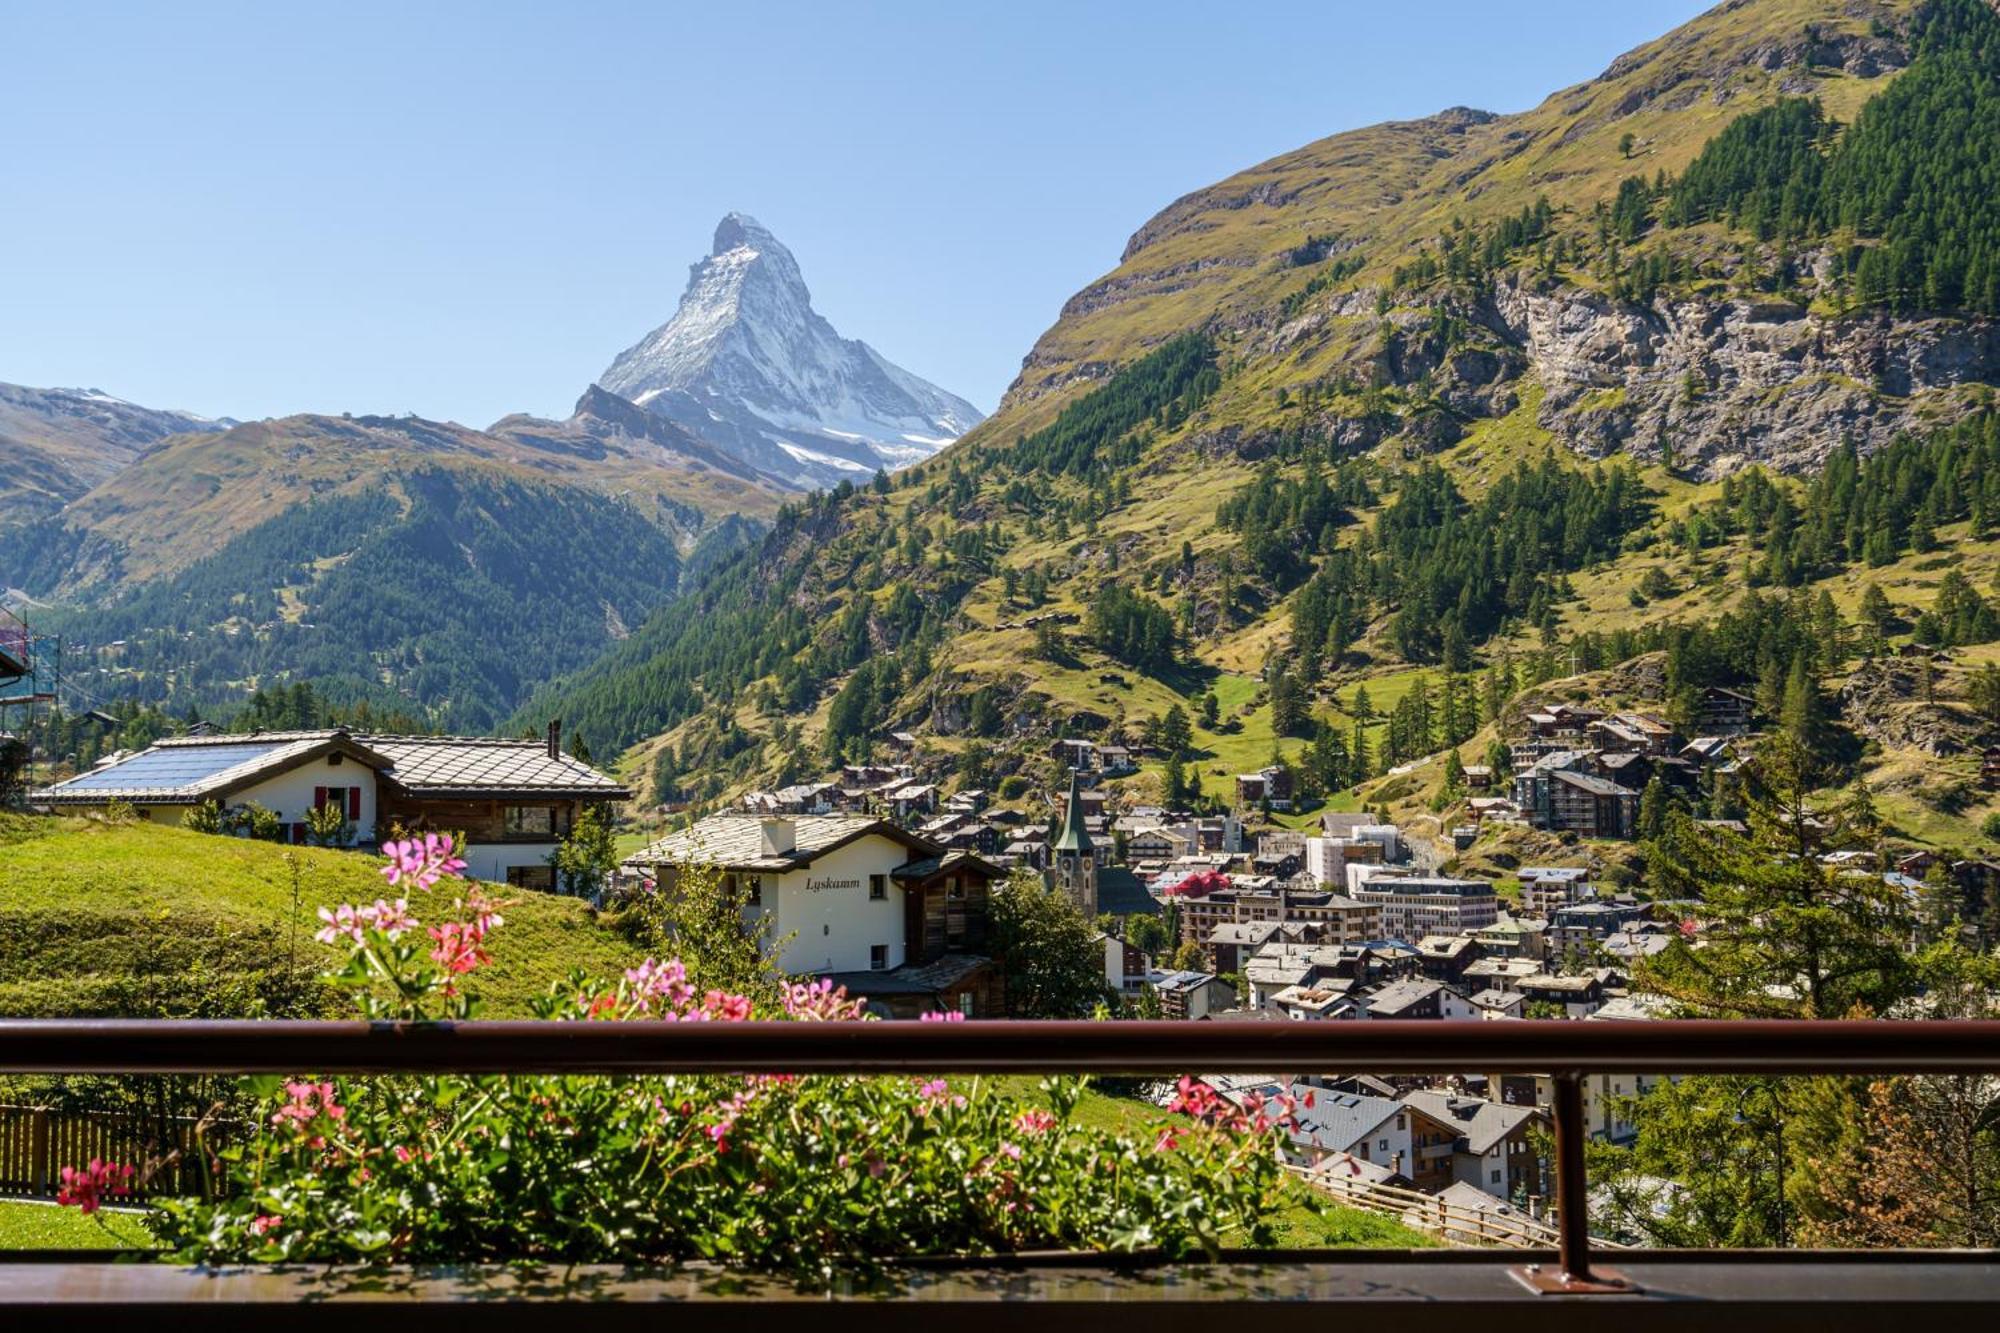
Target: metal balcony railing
[[1564, 1051]]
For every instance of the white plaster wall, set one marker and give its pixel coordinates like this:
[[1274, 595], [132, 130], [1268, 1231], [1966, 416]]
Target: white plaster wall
[[832, 929], [289, 795], [491, 860]]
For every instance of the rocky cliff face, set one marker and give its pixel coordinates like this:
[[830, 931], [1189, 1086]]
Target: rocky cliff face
[[1727, 383], [748, 364]]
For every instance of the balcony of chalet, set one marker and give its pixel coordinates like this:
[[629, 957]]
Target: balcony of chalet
[[1552, 1275]]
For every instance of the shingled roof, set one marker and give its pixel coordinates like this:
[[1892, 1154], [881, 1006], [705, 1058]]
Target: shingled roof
[[736, 842], [485, 766], [182, 770]]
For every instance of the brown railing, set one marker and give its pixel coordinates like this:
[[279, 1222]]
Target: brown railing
[[1566, 1051]]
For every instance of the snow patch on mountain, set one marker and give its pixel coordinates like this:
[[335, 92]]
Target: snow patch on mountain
[[748, 364]]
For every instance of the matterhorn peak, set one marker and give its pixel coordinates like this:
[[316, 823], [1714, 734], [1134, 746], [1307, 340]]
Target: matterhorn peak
[[748, 364], [741, 231]]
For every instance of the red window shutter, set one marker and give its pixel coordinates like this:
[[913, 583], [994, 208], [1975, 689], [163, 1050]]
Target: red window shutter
[[319, 797], [354, 803]]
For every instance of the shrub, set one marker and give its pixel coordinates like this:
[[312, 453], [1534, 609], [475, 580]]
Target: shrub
[[811, 1175]]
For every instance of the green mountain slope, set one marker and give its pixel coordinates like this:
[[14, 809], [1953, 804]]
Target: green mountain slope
[[431, 569], [1331, 424]]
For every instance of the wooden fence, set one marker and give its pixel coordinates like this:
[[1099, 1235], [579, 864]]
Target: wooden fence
[[36, 1143], [1435, 1215]]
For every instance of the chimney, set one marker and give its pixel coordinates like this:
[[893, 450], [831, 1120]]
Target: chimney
[[555, 738], [779, 836]]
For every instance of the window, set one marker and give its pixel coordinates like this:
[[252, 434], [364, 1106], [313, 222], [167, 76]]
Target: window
[[878, 887], [1382, 1144], [754, 894], [347, 800], [523, 821], [1496, 1177], [878, 957], [965, 1004], [532, 877], [333, 760]]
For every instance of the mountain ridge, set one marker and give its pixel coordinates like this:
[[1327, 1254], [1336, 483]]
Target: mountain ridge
[[58, 443], [1248, 463]]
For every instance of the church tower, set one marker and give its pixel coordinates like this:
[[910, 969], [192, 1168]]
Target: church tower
[[1072, 858]]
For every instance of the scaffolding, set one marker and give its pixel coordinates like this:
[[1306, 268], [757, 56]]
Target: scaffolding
[[30, 674], [15, 665]]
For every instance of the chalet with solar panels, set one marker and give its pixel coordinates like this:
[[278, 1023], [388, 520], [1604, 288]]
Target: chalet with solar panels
[[514, 800]]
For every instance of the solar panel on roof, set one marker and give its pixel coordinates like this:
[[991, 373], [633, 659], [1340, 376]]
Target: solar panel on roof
[[172, 766]]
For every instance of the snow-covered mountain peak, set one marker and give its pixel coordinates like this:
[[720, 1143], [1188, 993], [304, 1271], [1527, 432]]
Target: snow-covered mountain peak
[[748, 364]]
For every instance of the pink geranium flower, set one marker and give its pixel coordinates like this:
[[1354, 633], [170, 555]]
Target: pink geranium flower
[[821, 1002], [86, 1187], [458, 950], [659, 983], [342, 922], [1034, 1122], [424, 860]]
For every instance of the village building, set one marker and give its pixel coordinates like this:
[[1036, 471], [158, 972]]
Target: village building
[[513, 800], [1317, 1003], [1501, 974], [1072, 854], [1575, 996], [1327, 859], [1272, 786], [1558, 793], [1414, 906], [1492, 1145], [1511, 937], [1126, 966], [886, 913], [1159, 843], [1415, 997], [1640, 732], [1724, 712], [1230, 943], [1445, 957], [1580, 925], [1191, 995], [1498, 1005], [1545, 888]]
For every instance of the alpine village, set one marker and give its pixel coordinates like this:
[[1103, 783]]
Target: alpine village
[[1500, 573]]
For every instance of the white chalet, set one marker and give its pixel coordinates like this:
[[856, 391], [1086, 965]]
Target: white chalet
[[845, 895], [514, 800]]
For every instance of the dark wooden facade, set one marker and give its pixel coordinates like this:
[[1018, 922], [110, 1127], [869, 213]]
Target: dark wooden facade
[[946, 912], [482, 821]]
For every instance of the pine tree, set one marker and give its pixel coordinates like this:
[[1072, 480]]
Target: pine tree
[[1652, 810], [1805, 714], [1454, 774], [1785, 934]]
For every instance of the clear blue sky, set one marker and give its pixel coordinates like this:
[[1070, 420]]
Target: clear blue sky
[[463, 210]]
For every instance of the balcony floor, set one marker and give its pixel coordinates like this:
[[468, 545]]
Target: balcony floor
[[1443, 1290]]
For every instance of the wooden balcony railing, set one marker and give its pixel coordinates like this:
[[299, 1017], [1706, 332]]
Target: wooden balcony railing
[[1565, 1051]]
